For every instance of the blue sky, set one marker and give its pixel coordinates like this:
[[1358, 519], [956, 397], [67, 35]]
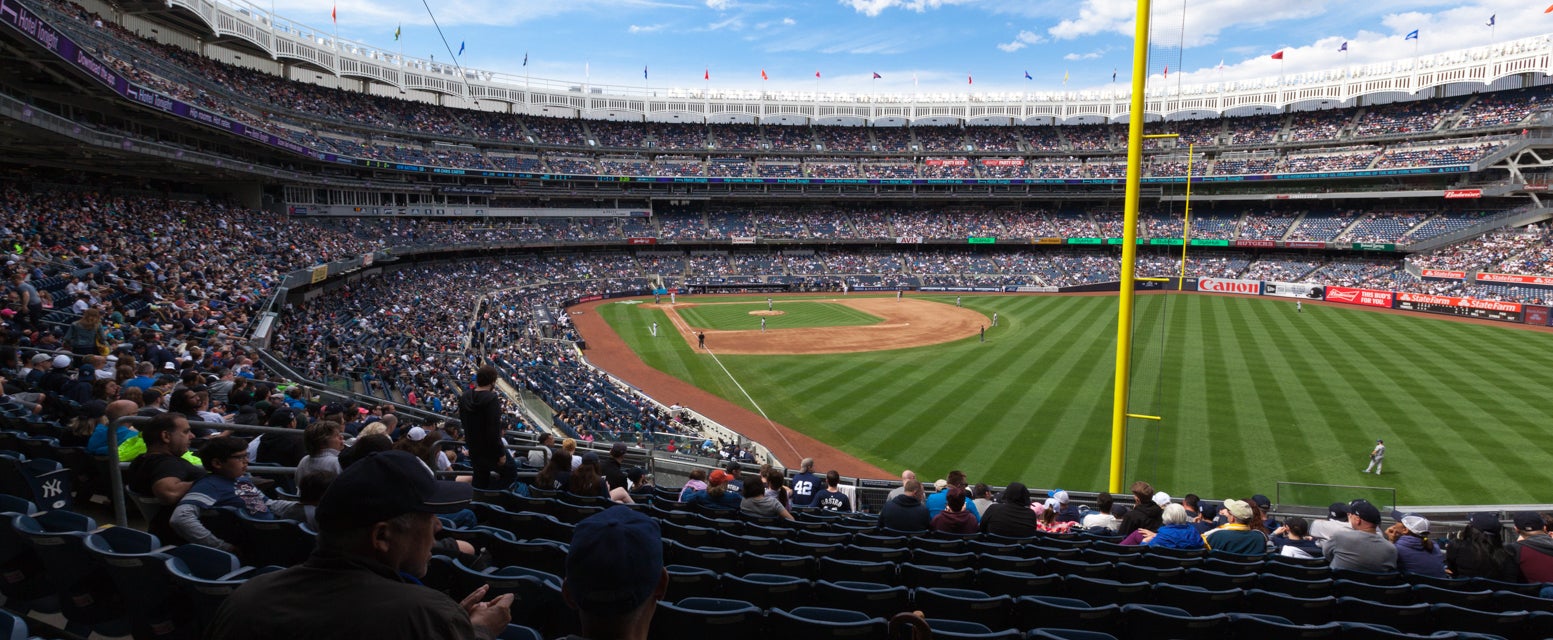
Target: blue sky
[[939, 42]]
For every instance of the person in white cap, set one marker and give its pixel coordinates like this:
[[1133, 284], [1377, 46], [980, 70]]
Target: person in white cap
[[1416, 553], [1237, 536], [1377, 457]]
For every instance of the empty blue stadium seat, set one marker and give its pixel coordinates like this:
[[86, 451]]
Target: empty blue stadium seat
[[995, 611], [768, 591], [821, 622], [704, 618], [1152, 620], [1034, 612], [962, 630]]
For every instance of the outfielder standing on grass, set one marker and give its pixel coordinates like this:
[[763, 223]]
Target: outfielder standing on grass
[[1299, 306], [762, 324], [994, 318], [1377, 457], [984, 333], [654, 329]]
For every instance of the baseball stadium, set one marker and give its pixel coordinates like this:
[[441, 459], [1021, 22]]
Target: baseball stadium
[[295, 319]]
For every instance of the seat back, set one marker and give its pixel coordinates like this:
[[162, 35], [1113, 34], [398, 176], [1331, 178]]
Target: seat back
[[704, 618], [876, 600]]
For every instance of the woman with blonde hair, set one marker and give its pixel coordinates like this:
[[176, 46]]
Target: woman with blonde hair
[[84, 335]]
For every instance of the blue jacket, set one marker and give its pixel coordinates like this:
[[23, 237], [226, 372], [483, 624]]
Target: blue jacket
[[1411, 557], [937, 500], [1177, 536]]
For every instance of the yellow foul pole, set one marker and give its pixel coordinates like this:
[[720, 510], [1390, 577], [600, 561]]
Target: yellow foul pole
[[1186, 227], [1140, 71]]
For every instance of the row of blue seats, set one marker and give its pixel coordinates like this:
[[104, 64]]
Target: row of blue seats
[[714, 617]]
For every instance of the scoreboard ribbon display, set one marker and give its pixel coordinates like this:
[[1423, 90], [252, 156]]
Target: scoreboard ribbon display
[[1466, 307]]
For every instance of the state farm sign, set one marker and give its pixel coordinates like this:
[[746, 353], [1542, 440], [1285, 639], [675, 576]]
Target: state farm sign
[[1461, 194], [1543, 281], [1443, 273], [1364, 297], [1216, 285]]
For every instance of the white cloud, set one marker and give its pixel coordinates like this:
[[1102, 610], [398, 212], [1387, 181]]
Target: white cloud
[[1205, 19], [1092, 55], [1024, 39], [789, 21], [876, 7], [718, 5], [732, 24], [636, 28]]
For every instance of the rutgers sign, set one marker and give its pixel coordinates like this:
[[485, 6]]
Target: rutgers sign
[[1216, 285]]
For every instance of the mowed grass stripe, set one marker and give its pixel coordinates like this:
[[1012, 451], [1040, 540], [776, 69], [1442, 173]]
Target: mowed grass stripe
[[793, 315], [1252, 394]]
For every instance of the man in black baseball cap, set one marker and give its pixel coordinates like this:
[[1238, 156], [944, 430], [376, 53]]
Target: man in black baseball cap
[[377, 523], [614, 574], [1361, 547]]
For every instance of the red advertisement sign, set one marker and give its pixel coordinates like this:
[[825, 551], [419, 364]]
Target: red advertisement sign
[[1003, 162], [641, 241], [1256, 243], [1305, 244], [1537, 315], [1462, 194], [1546, 281], [1534, 187], [938, 162], [1365, 297], [1217, 285], [1444, 273]]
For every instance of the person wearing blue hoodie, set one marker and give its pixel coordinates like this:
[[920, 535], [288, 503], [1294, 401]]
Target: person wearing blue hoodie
[[1416, 553], [937, 500], [1177, 531]]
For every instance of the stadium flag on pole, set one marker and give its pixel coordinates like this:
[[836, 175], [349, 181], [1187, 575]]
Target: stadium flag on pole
[[968, 79], [525, 58], [1343, 48], [763, 75], [1278, 56], [334, 14], [396, 33], [1491, 20], [1549, 9], [1113, 74], [816, 74], [1167, 72], [1411, 35], [644, 72], [460, 47], [877, 76], [1221, 64], [1064, 77], [1027, 76]]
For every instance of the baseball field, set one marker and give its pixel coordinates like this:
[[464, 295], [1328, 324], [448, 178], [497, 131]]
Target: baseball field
[[1251, 392]]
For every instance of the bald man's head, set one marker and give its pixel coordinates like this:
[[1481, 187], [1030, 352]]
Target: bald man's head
[[908, 475], [120, 408]]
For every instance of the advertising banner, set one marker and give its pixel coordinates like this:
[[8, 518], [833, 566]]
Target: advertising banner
[[941, 162], [1537, 315], [1536, 281], [976, 240], [1531, 186], [1293, 290], [1256, 244], [1364, 297], [742, 239], [1025, 288], [1468, 307], [1117, 241], [1167, 242], [1085, 241], [1374, 246], [1003, 162], [1462, 194], [641, 241], [1305, 244], [1046, 241], [1220, 285], [909, 240], [1444, 274], [1209, 242]]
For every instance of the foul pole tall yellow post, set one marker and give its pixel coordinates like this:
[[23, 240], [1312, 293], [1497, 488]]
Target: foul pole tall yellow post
[[1140, 72], [1186, 227]]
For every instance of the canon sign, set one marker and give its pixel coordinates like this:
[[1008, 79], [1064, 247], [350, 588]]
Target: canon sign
[[1215, 285]]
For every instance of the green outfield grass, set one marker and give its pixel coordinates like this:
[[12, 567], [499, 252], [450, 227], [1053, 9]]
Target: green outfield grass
[[796, 314], [1251, 392]]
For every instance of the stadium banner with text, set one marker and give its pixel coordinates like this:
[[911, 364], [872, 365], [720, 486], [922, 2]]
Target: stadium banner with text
[[1220, 285], [1510, 278], [1025, 288], [946, 162], [909, 240], [1444, 274], [1534, 186], [962, 289], [1293, 290], [1305, 244], [1374, 246], [1364, 297], [743, 239], [1463, 194], [1539, 316], [1086, 241], [977, 240], [1257, 244], [641, 241], [1209, 242], [1165, 242], [1467, 307], [1003, 162], [1046, 241], [1117, 241]]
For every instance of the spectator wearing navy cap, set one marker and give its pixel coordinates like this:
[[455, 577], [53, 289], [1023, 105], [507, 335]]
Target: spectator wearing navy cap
[[377, 524], [615, 575], [1478, 551], [1533, 551], [1361, 548]]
